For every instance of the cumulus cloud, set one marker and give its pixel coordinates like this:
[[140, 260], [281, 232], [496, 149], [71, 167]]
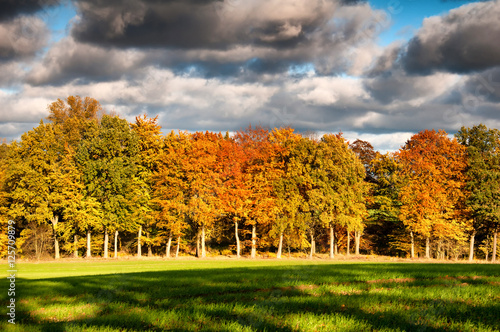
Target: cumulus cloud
[[462, 41], [69, 60], [261, 35], [12, 8], [395, 86], [22, 37]]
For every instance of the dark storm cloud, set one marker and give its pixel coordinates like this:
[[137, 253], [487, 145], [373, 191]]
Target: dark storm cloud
[[149, 23], [195, 24], [260, 35], [12, 8], [463, 41], [22, 37]]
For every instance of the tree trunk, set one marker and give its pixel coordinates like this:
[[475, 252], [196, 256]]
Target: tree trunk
[[54, 221], [280, 246], [254, 241], [332, 242], [139, 249], [357, 241], [75, 245], [203, 251], [178, 246], [116, 244], [412, 245], [238, 248], [487, 248], [313, 245], [169, 243], [106, 239], [494, 254], [150, 251], [89, 249], [427, 248], [198, 244], [348, 243]]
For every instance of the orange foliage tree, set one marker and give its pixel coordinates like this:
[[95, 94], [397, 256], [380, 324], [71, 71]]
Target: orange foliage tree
[[261, 169], [234, 191], [432, 194]]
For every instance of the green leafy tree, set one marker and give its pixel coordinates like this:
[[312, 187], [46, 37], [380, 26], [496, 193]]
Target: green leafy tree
[[483, 180], [286, 187], [108, 158], [387, 232], [343, 189]]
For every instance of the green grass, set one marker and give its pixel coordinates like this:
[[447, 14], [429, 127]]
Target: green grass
[[262, 295]]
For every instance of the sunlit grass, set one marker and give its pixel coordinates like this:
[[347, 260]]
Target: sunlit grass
[[265, 295]]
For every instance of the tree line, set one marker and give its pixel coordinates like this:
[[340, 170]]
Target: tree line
[[84, 183]]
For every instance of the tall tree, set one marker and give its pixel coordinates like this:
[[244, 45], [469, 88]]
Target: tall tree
[[4, 218], [171, 188], [386, 229], [204, 182], [433, 190], [234, 187], [108, 157], [483, 180], [150, 147], [288, 199], [262, 169], [43, 180], [343, 188]]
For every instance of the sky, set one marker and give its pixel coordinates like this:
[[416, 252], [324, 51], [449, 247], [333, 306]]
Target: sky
[[379, 70]]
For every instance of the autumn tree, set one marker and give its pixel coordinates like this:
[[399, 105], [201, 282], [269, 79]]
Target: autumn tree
[[341, 179], [108, 158], [234, 188], [288, 199], [171, 189], [366, 154], [74, 116], [261, 169], [483, 180], [150, 147], [43, 181], [4, 218], [203, 182], [433, 189]]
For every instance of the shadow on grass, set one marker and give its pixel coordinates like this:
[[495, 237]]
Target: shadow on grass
[[343, 297]]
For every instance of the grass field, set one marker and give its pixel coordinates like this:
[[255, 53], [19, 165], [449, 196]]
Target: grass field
[[261, 295]]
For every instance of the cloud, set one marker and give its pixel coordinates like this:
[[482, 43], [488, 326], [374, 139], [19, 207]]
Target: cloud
[[13, 8], [463, 41], [68, 60], [396, 87], [22, 37], [260, 35]]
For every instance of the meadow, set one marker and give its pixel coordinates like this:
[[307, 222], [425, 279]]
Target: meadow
[[254, 295]]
